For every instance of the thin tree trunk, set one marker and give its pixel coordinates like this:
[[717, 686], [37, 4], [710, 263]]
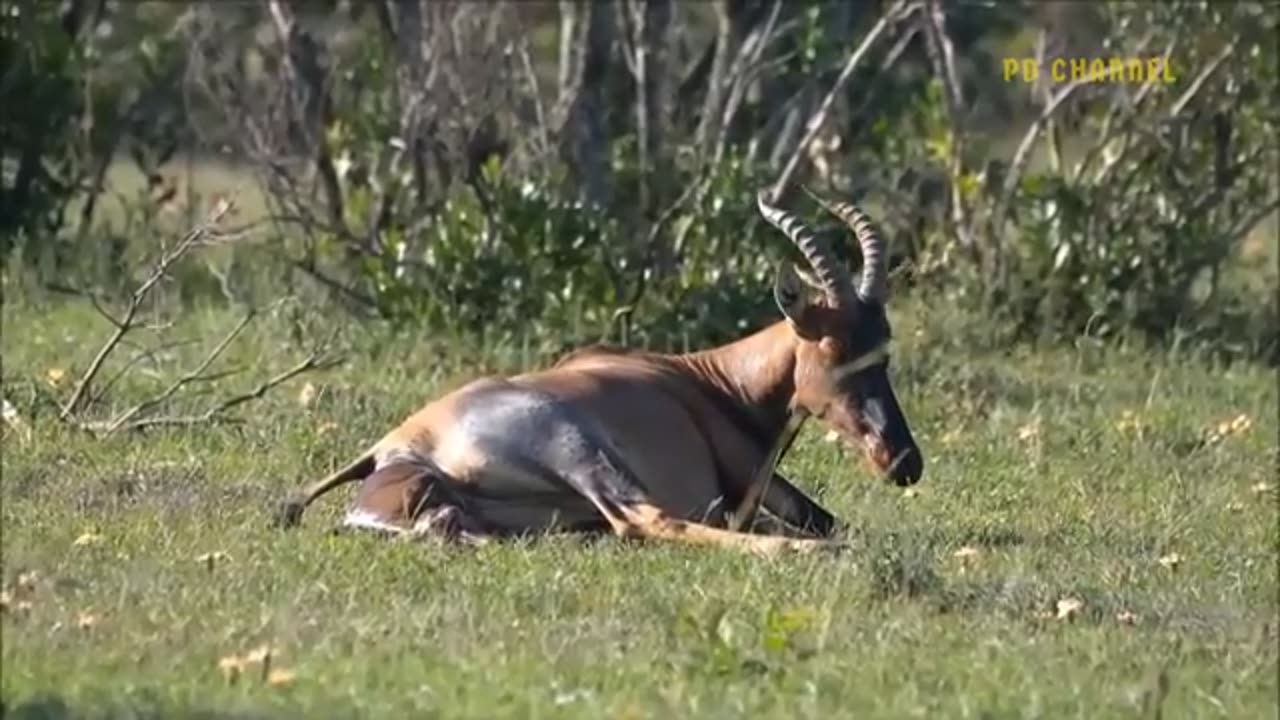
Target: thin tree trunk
[[584, 74]]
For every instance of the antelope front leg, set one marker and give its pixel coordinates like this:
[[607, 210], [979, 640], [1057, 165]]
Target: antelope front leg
[[645, 520], [600, 476]]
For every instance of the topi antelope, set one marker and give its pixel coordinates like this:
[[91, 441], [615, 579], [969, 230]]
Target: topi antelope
[[651, 445]]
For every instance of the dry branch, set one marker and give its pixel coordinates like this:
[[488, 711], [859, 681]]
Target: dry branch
[[942, 56], [140, 415], [192, 376], [313, 362], [127, 322], [895, 12]]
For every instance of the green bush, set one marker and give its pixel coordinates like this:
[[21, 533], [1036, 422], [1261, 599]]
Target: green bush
[[448, 214], [42, 62]]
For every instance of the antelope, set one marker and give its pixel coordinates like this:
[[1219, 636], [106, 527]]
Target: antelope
[[649, 445]]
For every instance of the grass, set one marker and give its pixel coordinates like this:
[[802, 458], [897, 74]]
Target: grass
[[1061, 473]]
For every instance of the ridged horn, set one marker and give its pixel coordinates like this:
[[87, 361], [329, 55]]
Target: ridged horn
[[874, 284], [830, 272]]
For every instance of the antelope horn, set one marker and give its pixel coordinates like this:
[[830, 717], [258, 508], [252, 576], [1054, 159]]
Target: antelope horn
[[831, 273], [874, 284]]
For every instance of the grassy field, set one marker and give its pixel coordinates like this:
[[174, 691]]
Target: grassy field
[[1082, 546]]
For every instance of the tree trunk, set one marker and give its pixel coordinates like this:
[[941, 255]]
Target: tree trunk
[[585, 61]]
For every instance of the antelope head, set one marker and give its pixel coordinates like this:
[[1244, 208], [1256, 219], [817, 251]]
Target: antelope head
[[842, 341]]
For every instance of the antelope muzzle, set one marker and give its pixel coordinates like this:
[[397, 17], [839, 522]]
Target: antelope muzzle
[[879, 422]]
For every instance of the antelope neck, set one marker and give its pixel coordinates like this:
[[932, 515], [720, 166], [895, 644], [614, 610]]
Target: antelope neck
[[751, 380]]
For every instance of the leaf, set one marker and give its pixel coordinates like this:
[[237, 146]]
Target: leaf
[[86, 619], [87, 538], [1030, 431], [11, 417], [307, 395], [1069, 607], [54, 376], [1218, 432], [1061, 255], [210, 559], [782, 627], [231, 666], [1130, 421], [1127, 617], [260, 654], [27, 581], [280, 677]]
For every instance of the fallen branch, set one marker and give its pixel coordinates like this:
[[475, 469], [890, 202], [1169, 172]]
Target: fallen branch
[[126, 323], [196, 375], [313, 362], [144, 414]]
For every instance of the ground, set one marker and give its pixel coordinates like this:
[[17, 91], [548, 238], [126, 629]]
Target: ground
[[1094, 537]]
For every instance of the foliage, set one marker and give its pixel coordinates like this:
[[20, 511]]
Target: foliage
[[458, 169], [1140, 242], [532, 258], [1134, 219], [40, 93]]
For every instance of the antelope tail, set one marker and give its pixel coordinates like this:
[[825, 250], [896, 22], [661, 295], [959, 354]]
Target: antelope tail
[[289, 513]]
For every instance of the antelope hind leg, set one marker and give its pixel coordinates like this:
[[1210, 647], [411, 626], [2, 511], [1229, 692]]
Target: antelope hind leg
[[413, 502], [448, 523]]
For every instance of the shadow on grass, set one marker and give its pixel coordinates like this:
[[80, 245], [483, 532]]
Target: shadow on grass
[[54, 707]]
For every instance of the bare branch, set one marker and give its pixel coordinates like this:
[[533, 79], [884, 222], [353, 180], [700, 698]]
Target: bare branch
[[898, 10], [716, 79], [942, 57], [694, 189], [745, 67], [142, 354], [936, 19], [540, 112], [313, 362], [1194, 88], [890, 60], [87, 294], [195, 375], [1247, 223], [126, 323], [1023, 154], [1108, 132]]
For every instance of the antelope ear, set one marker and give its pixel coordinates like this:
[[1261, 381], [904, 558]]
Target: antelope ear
[[794, 297]]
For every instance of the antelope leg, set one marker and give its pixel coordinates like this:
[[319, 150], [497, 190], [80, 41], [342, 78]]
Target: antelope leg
[[750, 505]]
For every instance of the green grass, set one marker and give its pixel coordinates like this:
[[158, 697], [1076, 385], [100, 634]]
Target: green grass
[[1069, 506]]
